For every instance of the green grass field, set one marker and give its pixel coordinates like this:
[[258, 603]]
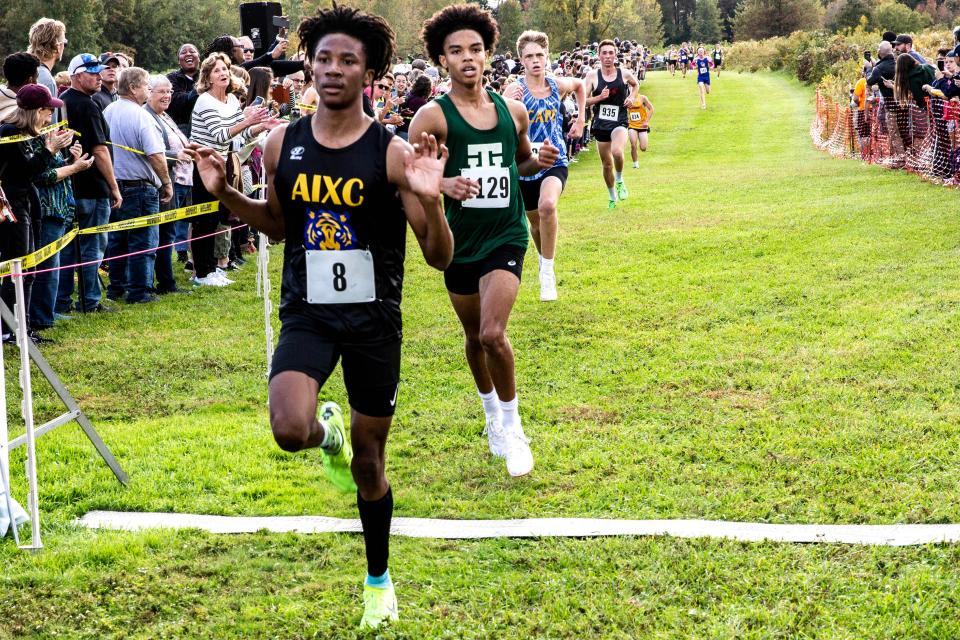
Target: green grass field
[[760, 333]]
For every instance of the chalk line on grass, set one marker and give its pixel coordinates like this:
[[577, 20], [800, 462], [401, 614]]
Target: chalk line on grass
[[895, 535]]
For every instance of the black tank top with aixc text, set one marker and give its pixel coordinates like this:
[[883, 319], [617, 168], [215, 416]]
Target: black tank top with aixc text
[[341, 199], [610, 113]]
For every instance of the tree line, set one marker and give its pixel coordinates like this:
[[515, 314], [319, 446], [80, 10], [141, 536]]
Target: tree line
[[153, 30]]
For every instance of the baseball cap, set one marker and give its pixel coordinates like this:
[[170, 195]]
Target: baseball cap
[[107, 57], [84, 62], [903, 39], [36, 96]]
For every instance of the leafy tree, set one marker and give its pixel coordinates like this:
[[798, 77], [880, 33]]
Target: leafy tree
[[846, 14], [510, 19], [706, 22], [758, 19], [896, 17], [677, 15]]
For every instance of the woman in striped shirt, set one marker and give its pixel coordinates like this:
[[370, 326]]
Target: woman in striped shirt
[[216, 121]]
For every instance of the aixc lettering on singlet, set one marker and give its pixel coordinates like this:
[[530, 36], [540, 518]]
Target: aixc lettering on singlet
[[345, 239]]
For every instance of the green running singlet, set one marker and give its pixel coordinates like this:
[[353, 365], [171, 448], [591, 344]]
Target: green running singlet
[[495, 217]]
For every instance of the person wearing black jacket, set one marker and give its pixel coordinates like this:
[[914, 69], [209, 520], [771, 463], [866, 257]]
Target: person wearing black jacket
[[20, 164], [886, 69], [182, 81]]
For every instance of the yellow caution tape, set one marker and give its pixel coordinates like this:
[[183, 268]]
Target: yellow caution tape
[[120, 146], [155, 218], [312, 107], [45, 130], [40, 255]]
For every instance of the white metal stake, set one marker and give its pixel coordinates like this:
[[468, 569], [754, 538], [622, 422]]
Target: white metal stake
[[24, 344], [5, 449], [263, 256]]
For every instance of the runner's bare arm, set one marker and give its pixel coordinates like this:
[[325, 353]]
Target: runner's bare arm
[[578, 87], [649, 107], [430, 120], [632, 87], [417, 173], [591, 82], [266, 216]]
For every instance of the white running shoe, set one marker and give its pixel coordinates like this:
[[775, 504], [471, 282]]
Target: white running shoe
[[548, 286], [519, 458], [496, 437], [210, 280], [221, 275]]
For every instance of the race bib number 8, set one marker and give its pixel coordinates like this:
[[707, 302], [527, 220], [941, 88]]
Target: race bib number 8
[[340, 277], [609, 112], [494, 187]]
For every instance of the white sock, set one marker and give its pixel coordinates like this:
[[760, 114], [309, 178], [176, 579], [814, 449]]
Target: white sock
[[546, 265], [332, 442], [619, 176], [636, 164], [613, 194], [491, 404], [509, 414]]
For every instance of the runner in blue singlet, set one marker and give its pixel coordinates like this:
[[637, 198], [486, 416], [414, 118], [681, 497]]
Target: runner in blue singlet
[[542, 96]]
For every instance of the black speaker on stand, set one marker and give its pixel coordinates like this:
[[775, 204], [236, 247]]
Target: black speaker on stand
[[256, 21]]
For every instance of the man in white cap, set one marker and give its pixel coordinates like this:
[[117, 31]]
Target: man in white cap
[[94, 190]]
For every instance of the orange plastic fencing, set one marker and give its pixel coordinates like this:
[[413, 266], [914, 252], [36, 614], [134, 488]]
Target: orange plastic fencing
[[899, 135]]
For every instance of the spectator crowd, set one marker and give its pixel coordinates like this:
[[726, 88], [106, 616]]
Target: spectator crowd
[[901, 105], [103, 142]]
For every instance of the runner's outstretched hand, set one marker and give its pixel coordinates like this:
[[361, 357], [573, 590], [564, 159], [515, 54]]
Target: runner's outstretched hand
[[211, 167]]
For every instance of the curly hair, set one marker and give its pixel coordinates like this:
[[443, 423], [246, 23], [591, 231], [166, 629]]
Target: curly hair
[[458, 17], [220, 44], [378, 39]]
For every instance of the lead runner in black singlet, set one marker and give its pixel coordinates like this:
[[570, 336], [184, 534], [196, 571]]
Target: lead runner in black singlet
[[341, 192], [610, 91]]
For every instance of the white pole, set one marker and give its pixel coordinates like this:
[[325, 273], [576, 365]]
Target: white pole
[[23, 341], [5, 449], [263, 260]]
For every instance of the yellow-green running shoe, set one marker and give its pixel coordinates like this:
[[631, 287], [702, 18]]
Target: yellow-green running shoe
[[611, 204], [337, 465], [379, 604], [622, 192]]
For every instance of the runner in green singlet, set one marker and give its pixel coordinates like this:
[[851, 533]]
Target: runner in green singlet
[[487, 139]]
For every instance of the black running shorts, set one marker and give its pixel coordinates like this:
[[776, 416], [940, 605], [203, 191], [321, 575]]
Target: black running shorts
[[530, 189], [463, 278], [605, 135], [371, 370]]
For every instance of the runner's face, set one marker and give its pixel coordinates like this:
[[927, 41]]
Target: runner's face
[[339, 70], [463, 56], [608, 56], [534, 59]]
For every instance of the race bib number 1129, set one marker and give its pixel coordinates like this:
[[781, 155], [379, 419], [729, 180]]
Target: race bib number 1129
[[494, 187]]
